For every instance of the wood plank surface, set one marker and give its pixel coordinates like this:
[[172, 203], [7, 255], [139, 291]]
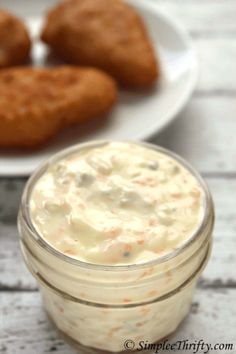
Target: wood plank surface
[[217, 57], [204, 134], [26, 329], [208, 16]]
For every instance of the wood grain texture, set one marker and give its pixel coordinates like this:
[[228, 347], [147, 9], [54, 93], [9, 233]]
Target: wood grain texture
[[206, 17], [26, 329], [14, 274], [217, 59], [204, 134], [10, 195], [219, 273]]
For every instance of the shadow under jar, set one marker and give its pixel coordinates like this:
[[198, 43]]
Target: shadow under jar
[[103, 306]]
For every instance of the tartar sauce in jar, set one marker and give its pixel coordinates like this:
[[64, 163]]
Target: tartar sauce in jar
[[117, 235], [117, 204]]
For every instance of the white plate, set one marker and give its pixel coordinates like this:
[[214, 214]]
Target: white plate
[[138, 116]]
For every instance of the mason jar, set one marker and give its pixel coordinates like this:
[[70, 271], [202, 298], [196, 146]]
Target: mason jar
[[114, 307]]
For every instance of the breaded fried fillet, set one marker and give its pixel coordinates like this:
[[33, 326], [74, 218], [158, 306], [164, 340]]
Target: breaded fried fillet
[[108, 34], [36, 103], [15, 42]]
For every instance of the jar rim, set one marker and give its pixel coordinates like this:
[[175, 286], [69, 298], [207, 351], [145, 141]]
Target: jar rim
[[25, 209]]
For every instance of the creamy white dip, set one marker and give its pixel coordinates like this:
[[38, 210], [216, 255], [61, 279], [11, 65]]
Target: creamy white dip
[[116, 204], [121, 203]]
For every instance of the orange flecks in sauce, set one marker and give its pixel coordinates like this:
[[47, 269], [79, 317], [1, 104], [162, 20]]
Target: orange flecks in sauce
[[71, 252], [140, 324], [145, 310], [140, 242], [153, 221], [113, 195], [147, 273], [150, 182], [128, 247], [153, 293], [113, 330], [176, 195]]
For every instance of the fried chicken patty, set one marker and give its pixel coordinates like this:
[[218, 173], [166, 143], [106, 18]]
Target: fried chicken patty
[[15, 43], [108, 34], [36, 103]]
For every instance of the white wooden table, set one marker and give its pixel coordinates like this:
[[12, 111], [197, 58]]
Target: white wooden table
[[205, 134]]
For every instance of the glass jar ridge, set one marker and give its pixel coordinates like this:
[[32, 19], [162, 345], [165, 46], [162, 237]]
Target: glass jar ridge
[[95, 288]]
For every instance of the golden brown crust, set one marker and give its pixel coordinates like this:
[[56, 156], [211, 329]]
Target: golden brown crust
[[15, 43], [36, 103], [107, 34]]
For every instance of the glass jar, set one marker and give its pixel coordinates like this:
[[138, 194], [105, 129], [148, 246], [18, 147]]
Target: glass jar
[[112, 308]]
